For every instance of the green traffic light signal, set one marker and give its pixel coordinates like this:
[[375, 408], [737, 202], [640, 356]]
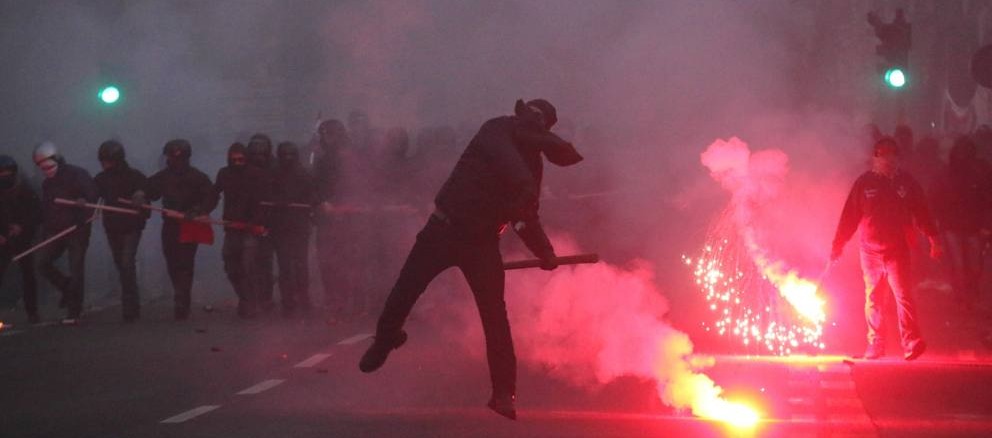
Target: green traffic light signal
[[895, 77], [109, 95]]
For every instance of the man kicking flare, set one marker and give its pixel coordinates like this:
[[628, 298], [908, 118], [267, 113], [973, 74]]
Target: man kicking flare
[[496, 182]]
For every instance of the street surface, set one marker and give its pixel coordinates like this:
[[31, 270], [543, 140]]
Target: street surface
[[216, 376]]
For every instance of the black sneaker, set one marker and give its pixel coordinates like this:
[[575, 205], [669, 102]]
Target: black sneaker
[[916, 350], [504, 405], [377, 353], [873, 352]]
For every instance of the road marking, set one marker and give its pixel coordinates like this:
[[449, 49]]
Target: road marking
[[840, 385], [801, 401], [313, 360], [852, 403], [263, 386], [967, 355], [835, 368], [190, 414], [355, 339]]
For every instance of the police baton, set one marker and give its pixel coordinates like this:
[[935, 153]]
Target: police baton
[[564, 260]]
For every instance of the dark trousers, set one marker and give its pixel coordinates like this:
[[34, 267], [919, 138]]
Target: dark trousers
[[180, 260], [71, 286], [439, 246], [294, 270], [964, 251], [28, 279], [885, 273], [239, 253], [124, 249], [264, 259]]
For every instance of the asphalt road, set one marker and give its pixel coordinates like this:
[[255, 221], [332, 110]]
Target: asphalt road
[[216, 376]]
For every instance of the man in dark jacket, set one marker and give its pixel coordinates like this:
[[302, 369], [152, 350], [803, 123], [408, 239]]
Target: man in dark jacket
[[119, 180], [332, 139], [20, 213], [260, 156], [962, 203], [243, 188], [291, 222], [496, 182], [186, 189], [888, 205], [65, 181]]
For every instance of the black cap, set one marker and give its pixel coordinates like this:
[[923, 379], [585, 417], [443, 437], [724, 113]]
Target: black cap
[[178, 148], [886, 145], [550, 113], [8, 163], [111, 150]]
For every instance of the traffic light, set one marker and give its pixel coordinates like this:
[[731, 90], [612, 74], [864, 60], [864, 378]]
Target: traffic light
[[895, 77], [895, 40], [109, 95]]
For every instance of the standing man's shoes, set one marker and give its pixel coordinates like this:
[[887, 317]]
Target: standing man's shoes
[[916, 350], [503, 405], [377, 353], [873, 352]]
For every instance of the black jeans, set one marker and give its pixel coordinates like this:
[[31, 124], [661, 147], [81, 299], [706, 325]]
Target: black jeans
[[239, 253], [71, 286], [294, 268], [30, 282], [180, 261], [124, 248], [440, 246], [264, 259]]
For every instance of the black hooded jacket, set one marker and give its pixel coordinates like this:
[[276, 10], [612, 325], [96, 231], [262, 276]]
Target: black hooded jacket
[[498, 180], [244, 187], [187, 190], [19, 205], [72, 183], [293, 185], [121, 181]]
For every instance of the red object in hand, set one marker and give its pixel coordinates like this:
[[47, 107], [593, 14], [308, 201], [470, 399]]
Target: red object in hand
[[195, 232]]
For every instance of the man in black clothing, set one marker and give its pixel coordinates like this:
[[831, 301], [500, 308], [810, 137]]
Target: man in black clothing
[[332, 140], [63, 180], [291, 227], [887, 205], [186, 189], [119, 180], [496, 182], [260, 156], [20, 212], [243, 188], [962, 203]]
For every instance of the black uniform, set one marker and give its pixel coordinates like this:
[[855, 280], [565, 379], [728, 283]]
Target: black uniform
[[496, 181], [20, 210], [72, 183], [327, 177], [291, 229], [123, 230], [183, 188], [243, 188], [259, 151]]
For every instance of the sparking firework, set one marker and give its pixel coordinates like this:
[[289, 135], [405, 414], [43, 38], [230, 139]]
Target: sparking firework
[[755, 298]]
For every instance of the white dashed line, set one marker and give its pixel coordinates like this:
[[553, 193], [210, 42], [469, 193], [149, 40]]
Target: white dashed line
[[837, 385], [263, 386], [190, 414], [355, 339], [313, 360], [801, 401]]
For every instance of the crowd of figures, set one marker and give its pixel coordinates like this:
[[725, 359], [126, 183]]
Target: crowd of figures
[[957, 180], [355, 191]]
